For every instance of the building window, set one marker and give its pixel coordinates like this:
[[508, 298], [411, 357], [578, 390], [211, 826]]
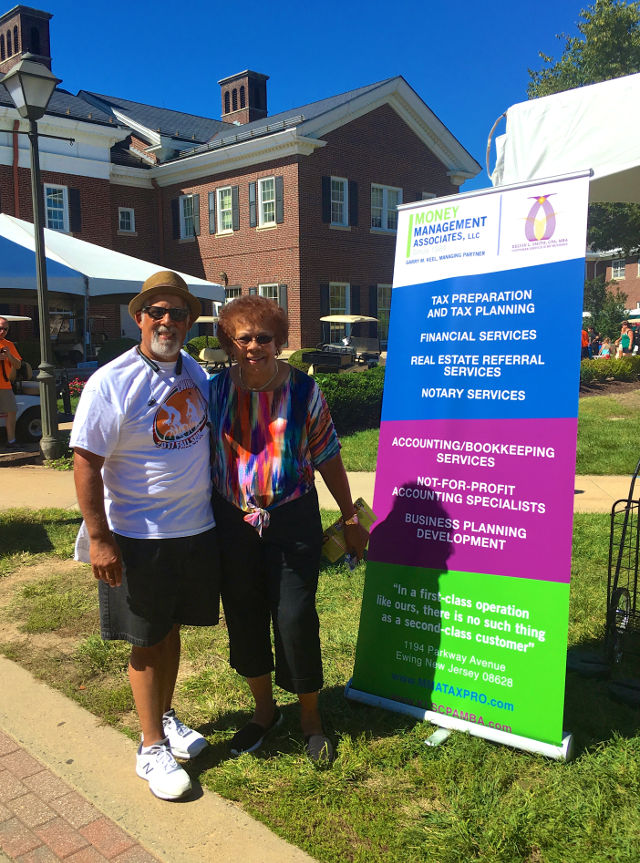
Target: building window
[[617, 268], [243, 98], [187, 217], [126, 220], [270, 292], [225, 210], [2, 54], [227, 103], [232, 293], [384, 203], [9, 50], [339, 201], [56, 205], [234, 99], [384, 309], [16, 46], [267, 201], [339, 304]]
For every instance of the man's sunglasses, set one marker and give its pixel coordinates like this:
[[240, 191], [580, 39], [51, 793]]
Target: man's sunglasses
[[261, 339], [4, 329], [157, 313]]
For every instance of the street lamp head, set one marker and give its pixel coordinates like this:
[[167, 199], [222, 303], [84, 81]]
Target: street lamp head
[[30, 85]]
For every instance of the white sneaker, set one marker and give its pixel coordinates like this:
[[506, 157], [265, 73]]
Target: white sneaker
[[184, 742], [155, 763]]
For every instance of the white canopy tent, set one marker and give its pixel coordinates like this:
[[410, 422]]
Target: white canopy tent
[[98, 271], [571, 131]]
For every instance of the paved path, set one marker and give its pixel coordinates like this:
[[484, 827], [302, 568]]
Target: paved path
[[68, 789], [33, 486]]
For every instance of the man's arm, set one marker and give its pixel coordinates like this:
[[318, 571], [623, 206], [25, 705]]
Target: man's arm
[[14, 362], [104, 551]]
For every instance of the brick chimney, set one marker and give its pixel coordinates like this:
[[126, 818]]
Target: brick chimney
[[244, 97], [24, 30]]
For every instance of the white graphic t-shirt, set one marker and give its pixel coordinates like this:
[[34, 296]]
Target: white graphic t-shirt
[[150, 425]]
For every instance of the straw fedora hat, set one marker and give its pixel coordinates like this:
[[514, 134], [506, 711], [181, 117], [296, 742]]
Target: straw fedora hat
[[165, 282]]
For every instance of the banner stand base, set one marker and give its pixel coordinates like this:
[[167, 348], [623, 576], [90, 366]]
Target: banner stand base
[[563, 752]]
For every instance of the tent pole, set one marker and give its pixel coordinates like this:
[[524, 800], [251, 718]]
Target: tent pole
[[86, 340]]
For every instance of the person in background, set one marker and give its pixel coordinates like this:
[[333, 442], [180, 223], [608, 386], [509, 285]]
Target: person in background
[[585, 344], [141, 467], [605, 348], [625, 340], [271, 429], [10, 361]]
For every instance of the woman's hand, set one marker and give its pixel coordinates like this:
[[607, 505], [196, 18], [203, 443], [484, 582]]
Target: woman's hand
[[356, 538]]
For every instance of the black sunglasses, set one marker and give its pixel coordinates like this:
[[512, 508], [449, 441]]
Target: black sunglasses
[[261, 339], [157, 313]]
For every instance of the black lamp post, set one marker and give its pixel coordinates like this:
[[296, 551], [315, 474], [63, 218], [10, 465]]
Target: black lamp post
[[30, 85]]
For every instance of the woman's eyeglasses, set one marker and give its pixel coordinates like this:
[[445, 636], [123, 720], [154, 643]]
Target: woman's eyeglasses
[[157, 313], [261, 339]]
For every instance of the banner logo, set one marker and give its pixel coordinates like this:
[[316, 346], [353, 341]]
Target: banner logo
[[541, 220]]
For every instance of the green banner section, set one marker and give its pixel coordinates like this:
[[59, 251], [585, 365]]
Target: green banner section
[[487, 649]]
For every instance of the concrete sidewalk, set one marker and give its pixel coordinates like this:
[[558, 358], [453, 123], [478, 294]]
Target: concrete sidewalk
[[34, 487]]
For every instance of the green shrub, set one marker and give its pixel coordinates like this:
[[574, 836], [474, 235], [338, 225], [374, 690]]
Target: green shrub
[[354, 398], [599, 370], [296, 360], [113, 348], [197, 343]]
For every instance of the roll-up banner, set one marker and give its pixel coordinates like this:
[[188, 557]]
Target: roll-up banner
[[465, 608]]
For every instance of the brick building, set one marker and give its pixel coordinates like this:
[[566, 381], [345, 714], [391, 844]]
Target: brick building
[[624, 272], [299, 206]]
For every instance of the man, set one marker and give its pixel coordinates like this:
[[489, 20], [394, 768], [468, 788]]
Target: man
[[141, 468], [10, 360]]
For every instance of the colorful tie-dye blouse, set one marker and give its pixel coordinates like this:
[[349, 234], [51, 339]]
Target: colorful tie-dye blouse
[[266, 444]]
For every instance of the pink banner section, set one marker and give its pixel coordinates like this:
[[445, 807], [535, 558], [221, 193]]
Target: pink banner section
[[486, 496]]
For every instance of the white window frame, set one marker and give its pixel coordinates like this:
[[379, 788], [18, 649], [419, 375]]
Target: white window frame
[[337, 332], [339, 201], [388, 213], [224, 211], [187, 220], [270, 290], [51, 187], [132, 220], [266, 203], [232, 293], [616, 266]]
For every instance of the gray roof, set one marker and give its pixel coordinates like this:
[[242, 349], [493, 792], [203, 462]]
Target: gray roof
[[64, 104], [231, 133], [174, 124]]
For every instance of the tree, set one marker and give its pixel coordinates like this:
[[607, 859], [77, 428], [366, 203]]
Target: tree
[[608, 47], [606, 303]]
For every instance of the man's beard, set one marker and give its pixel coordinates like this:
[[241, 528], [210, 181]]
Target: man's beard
[[165, 347]]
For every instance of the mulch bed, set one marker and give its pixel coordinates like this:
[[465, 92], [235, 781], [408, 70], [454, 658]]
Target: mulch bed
[[608, 388]]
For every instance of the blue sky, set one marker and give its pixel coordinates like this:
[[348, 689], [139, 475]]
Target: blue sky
[[467, 60]]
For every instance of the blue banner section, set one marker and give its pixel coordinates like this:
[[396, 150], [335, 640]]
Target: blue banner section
[[486, 346]]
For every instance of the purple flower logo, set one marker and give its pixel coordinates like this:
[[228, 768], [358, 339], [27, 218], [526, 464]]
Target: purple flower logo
[[541, 220]]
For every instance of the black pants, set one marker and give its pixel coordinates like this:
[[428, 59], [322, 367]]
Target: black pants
[[273, 579]]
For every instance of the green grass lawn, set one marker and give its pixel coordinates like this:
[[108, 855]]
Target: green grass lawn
[[388, 797], [608, 438]]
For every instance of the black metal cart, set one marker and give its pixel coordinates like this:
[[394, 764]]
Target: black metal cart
[[622, 629]]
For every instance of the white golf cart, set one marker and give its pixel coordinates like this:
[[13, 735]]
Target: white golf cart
[[28, 419]]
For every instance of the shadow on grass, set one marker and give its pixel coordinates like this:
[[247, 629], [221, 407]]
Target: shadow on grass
[[341, 717], [21, 534], [589, 712]]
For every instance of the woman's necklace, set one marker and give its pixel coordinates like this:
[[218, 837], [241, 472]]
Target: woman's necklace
[[264, 386]]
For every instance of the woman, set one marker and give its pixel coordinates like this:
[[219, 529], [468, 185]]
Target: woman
[[270, 428], [625, 341]]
